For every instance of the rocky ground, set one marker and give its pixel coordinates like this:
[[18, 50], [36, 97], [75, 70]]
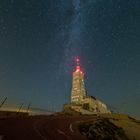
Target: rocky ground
[[102, 129], [111, 127], [70, 124]]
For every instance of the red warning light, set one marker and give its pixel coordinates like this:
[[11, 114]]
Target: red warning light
[[78, 68], [77, 60]]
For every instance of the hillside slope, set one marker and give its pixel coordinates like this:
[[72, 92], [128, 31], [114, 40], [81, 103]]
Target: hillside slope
[[112, 127]]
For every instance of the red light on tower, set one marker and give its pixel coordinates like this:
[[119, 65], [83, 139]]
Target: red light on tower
[[78, 69], [77, 60]]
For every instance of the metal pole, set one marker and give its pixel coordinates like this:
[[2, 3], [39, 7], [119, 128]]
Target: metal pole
[[20, 107], [28, 107], [2, 103]]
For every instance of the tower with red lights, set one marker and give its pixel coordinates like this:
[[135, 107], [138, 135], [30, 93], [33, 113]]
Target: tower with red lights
[[78, 89]]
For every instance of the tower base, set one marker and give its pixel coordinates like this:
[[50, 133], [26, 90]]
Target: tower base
[[90, 105]]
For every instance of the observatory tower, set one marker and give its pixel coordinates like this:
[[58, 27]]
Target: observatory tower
[[78, 89], [80, 101]]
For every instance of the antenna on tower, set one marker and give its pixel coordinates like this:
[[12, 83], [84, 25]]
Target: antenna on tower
[[78, 61], [78, 68]]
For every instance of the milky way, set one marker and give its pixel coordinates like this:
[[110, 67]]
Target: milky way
[[72, 47]]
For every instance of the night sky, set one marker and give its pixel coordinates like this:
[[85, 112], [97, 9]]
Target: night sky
[[39, 40]]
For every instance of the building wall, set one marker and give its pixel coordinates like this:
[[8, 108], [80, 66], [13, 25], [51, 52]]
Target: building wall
[[95, 105], [102, 107], [78, 88], [91, 102]]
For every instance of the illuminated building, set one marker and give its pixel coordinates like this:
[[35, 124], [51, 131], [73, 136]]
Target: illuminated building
[[80, 101], [78, 88]]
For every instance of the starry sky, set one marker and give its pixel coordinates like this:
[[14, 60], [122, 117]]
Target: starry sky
[[39, 40]]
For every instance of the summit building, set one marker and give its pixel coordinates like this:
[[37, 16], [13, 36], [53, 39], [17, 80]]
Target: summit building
[[78, 88], [80, 100]]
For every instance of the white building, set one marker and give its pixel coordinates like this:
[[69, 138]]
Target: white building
[[79, 100]]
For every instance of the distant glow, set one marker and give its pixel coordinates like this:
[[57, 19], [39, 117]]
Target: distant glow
[[14, 109]]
